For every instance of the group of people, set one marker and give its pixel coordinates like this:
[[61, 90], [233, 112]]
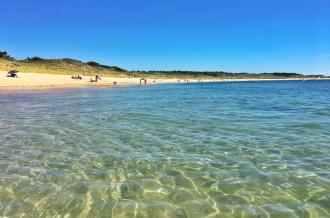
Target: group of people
[[97, 78], [143, 80], [76, 77]]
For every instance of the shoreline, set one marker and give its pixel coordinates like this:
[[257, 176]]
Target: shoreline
[[29, 81]]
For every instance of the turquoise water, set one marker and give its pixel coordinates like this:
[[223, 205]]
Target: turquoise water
[[248, 149]]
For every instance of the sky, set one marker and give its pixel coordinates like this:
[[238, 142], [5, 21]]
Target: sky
[[205, 35]]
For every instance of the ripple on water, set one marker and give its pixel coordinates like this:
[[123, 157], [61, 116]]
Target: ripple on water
[[246, 150]]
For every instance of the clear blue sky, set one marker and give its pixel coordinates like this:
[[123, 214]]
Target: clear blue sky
[[230, 35]]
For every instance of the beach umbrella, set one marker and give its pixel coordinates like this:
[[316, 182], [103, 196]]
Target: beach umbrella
[[13, 73]]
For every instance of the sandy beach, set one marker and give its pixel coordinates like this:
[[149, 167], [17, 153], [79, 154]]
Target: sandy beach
[[48, 81], [39, 81]]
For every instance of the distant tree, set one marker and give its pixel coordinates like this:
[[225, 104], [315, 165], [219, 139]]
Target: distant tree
[[70, 60], [281, 74], [33, 59], [95, 64], [118, 69], [5, 55]]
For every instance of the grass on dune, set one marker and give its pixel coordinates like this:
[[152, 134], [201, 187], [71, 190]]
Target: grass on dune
[[69, 66], [60, 66]]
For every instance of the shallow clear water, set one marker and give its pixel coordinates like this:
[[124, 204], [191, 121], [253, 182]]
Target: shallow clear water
[[249, 149]]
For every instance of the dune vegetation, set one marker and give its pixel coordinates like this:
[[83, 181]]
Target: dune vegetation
[[68, 66]]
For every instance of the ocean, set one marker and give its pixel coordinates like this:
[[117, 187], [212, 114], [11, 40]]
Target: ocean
[[231, 149]]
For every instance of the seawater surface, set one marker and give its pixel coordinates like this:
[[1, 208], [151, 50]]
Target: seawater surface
[[238, 149]]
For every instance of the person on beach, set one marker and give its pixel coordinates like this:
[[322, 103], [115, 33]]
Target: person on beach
[[76, 77], [145, 81], [94, 80]]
